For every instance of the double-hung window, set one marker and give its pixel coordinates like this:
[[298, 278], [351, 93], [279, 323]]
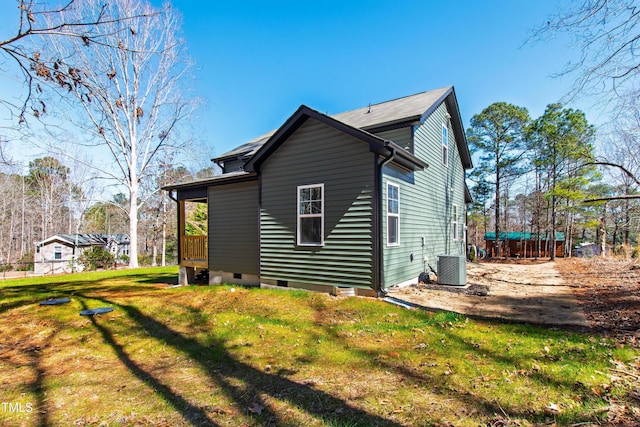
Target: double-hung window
[[393, 214], [455, 223], [57, 252], [311, 215], [445, 145]]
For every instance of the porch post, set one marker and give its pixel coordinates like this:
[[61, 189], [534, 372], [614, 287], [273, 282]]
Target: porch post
[[181, 230]]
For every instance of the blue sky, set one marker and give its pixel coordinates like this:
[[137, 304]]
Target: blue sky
[[258, 61]]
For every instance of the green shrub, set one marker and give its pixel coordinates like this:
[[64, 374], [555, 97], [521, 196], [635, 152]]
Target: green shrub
[[472, 254], [25, 263], [95, 258]]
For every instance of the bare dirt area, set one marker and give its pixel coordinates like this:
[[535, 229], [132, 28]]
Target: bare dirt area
[[608, 291], [529, 292], [602, 294]]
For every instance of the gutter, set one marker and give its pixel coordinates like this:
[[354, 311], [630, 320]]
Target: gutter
[[401, 157]]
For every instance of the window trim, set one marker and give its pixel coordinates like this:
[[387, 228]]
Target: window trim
[[299, 216], [396, 215], [445, 145], [57, 249], [455, 224]]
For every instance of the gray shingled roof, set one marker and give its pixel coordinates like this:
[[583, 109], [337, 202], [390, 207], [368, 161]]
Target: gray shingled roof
[[397, 110], [248, 148], [373, 116], [87, 239]]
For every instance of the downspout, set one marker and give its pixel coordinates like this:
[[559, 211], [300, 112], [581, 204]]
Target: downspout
[[378, 223]]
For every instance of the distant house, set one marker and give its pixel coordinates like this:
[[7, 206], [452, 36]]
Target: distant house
[[588, 250], [59, 253], [525, 245], [362, 199]]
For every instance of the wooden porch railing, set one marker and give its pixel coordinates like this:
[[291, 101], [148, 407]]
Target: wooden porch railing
[[194, 249]]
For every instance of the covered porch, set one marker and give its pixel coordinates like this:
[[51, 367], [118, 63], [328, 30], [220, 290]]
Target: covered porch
[[222, 209], [193, 239]]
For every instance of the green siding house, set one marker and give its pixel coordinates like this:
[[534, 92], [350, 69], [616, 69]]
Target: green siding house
[[364, 199]]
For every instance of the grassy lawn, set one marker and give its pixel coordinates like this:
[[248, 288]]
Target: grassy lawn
[[233, 356]]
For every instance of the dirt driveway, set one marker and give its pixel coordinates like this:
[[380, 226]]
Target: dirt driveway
[[530, 293]]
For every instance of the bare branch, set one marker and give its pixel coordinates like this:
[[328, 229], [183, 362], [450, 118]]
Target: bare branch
[[622, 168], [612, 198], [607, 35], [36, 24]]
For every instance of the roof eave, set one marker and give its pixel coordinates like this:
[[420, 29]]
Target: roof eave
[[399, 156], [451, 102], [294, 122], [216, 180], [397, 124], [468, 198], [458, 128]]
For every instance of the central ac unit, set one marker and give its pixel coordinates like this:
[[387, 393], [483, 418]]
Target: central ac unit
[[452, 270]]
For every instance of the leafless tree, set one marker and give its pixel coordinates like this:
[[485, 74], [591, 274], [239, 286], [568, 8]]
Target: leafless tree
[[37, 21], [129, 82], [606, 36]]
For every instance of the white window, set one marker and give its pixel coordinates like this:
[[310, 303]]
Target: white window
[[393, 214], [455, 223], [445, 145], [311, 215], [57, 252]]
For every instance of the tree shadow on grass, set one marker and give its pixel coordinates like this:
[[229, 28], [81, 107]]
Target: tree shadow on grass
[[226, 371], [38, 386], [33, 354], [439, 382], [191, 413], [23, 295]]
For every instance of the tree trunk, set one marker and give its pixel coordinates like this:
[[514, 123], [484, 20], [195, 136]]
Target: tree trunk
[[22, 218], [164, 230], [133, 224], [554, 175], [603, 235], [627, 219], [154, 255], [507, 246], [485, 220], [497, 245]]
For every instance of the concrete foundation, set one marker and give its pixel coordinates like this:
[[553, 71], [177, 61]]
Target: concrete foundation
[[220, 277], [186, 275]]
